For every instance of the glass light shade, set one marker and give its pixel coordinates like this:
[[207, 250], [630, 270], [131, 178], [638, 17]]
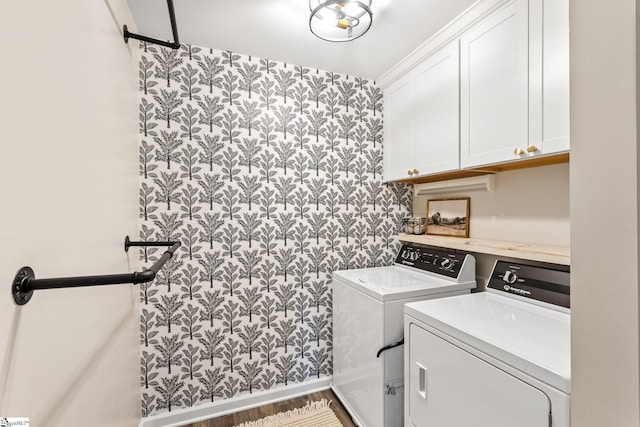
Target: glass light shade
[[340, 20]]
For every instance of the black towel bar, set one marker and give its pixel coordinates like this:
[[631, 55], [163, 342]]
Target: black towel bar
[[24, 283], [174, 29]]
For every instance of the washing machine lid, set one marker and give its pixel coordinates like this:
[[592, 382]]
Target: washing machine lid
[[533, 339], [398, 282]]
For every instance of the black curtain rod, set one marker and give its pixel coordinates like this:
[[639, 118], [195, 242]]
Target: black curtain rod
[[25, 282], [174, 30]]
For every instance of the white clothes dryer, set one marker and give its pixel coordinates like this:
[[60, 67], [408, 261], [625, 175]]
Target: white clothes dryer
[[499, 358], [368, 326]]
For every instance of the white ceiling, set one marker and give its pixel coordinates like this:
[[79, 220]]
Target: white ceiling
[[279, 30]]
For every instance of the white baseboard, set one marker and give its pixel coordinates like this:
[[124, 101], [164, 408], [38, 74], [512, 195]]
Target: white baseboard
[[223, 407]]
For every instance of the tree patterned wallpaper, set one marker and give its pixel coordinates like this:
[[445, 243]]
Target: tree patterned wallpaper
[[270, 176]]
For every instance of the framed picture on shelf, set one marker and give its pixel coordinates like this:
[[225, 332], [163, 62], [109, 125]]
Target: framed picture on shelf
[[448, 217]]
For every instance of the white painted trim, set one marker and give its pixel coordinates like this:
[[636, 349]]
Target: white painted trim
[[466, 19], [229, 406]]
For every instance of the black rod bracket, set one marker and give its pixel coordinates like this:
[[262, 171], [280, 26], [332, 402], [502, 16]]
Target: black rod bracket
[[24, 283], [174, 29], [21, 293]]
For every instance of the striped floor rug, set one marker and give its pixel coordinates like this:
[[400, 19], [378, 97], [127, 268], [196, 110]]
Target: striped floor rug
[[314, 414]]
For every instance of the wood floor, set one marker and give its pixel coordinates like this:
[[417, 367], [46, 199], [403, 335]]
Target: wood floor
[[285, 405]]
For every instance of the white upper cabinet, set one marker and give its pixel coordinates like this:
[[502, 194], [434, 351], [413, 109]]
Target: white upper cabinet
[[421, 118], [495, 86], [438, 111], [490, 88], [399, 110]]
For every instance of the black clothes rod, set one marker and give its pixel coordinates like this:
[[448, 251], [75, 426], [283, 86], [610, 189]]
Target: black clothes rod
[[174, 30], [25, 282]]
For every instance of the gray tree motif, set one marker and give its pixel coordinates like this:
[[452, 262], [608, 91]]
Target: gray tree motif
[[284, 118], [168, 352], [229, 125], [146, 199], [267, 166], [360, 106], [167, 103], [331, 136], [210, 345], [228, 57], [285, 366], [300, 202], [250, 299], [249, 230], [268, 379], [249, 115], [285, 187], [230, 278], [211, 380], [374, 131], [147, 404], [300, 97], [210, 108], [230, 316], [317, 87], [209, 149], [211, 306], [250, 336], [190, 365], [317, 189], [189, 163], [167, 225], [190, 325], [318, 294], [189, 121], [189, 207], [347, 91], [191, 395], [210, 187], [145, 116], [285, 334], [230, 88], [249, 151], [250, 373], [318, 359], [332, 102], [316, 260], [230, 201], [229, 239], [302, 343], [167, 63], [374, 99], [267, 93], [231, 387], [145, 76], [167, 145], [249, 76], [209, 69], [332, 202], [346, 156], [284, 84], [190, 52], [285, 297], [230, 353], [210, 225], [147, 331], [301, 307], [267, 237], [267, 276], [189, 79], [147, 375], [347, 126], [300, 239], [167, 186], [249, 264], [267, 128], [229, 163], [318, 325], [168, 311], [300, 132], [267, 313], [347, 254], [169, 392], [267, 65]]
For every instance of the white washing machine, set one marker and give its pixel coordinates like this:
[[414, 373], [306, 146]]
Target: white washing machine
[[500, 358], [368, 326]]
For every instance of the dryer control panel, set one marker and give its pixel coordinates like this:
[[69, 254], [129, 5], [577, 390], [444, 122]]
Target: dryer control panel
[[548, 285], [437, 261]]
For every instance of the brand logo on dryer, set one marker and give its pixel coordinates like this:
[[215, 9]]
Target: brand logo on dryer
[[510, 288]]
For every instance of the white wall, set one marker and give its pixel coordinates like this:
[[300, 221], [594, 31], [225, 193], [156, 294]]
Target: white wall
[[604, 213], [69, 183], [528, 205]]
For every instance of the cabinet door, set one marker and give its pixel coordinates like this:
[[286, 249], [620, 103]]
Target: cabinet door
[[399, 116], [549, 76], [448, 387], [437, 133], [495, 86]]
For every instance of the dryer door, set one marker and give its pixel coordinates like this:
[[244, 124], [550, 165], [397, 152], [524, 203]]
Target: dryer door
[[449, 387]]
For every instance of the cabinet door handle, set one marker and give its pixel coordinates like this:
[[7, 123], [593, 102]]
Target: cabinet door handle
[[416, 171], [518, 151], [532, 149], [422, 381]]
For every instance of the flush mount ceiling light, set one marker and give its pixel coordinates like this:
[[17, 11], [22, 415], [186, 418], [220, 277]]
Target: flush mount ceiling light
[[339, 20]]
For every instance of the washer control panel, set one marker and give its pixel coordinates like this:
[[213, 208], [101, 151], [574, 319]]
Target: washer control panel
[[438, 261], [549, 285]]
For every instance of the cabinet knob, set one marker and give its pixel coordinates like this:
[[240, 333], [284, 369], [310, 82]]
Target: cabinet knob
[[416, 171], [518, 151], [532, 149], [409, 172]]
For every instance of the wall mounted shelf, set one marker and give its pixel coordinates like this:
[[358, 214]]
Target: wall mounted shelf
[[528, 251]]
